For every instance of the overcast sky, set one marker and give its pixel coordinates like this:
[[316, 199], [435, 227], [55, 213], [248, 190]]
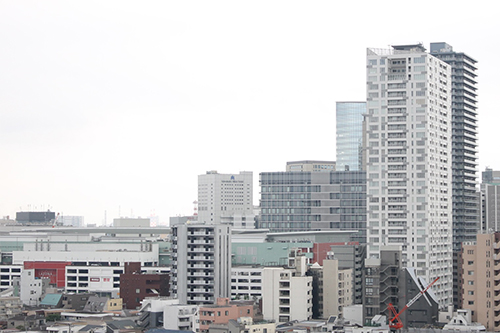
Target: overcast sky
[[118, 106]]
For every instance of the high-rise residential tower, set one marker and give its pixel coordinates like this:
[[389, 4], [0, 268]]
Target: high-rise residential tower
[[349, 118], [466, 202], [408, 161], [226, 198]]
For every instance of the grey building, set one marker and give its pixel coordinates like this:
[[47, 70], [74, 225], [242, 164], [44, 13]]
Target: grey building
[[352, 255], [386, 281], [490, 189], [466, 201], [311, 165], [466, 205], [201, 262], [301, 201], [349, 119]]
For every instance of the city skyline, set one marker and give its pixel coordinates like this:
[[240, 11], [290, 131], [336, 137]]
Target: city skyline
[[115, 109]]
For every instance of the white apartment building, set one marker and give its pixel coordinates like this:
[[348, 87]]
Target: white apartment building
[[408, 160], [246, 282], [287, 296], [226, 198], [201, 262], [32, 288], [181, 317]]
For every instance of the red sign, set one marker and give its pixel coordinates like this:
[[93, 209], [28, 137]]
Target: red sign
[[94, 279]]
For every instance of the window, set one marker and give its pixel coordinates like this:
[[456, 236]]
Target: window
[[470, 282]]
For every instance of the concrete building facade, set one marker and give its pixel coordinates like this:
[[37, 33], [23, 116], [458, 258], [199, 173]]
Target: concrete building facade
[[223, 311], [226, 198], [408, 142], [201, 262], [311, 166], [466, 205], [480, 276], [332, 288], [490, 189], [287, 296], [246, 282], [300, 201]]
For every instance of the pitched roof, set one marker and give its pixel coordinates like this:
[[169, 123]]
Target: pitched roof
[[51, 299]]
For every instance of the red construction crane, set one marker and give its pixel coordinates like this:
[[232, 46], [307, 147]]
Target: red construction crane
[[396, 323]]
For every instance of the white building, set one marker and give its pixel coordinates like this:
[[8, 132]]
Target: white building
[[287, 296], [132, 222], [408, 160], [201, 262], [226, 198], [32, 288], [246, 282], [181, 317], [7, 275], [72, 221]]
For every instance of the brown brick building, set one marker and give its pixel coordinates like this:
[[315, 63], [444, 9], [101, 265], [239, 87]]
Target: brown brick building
[[134, 286]]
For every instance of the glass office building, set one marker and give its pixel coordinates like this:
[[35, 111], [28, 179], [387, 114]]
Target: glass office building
[[350, 135], [304, 201]]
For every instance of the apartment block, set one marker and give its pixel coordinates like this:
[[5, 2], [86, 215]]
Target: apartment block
[[332, 288], [287, 296], [246, 282], [464, 143], [408, 141], [223, 311], [201, 262], [481, 279]]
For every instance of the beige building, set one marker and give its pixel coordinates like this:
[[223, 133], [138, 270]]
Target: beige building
[[286, 294], [480, 277], [335, 287]]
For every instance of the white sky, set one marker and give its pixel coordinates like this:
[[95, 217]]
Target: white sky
[[118, 106]]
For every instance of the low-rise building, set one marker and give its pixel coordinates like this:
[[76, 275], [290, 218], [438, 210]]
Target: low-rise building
[[10, 306], [243, 325], [223, 311], [134, 286]]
